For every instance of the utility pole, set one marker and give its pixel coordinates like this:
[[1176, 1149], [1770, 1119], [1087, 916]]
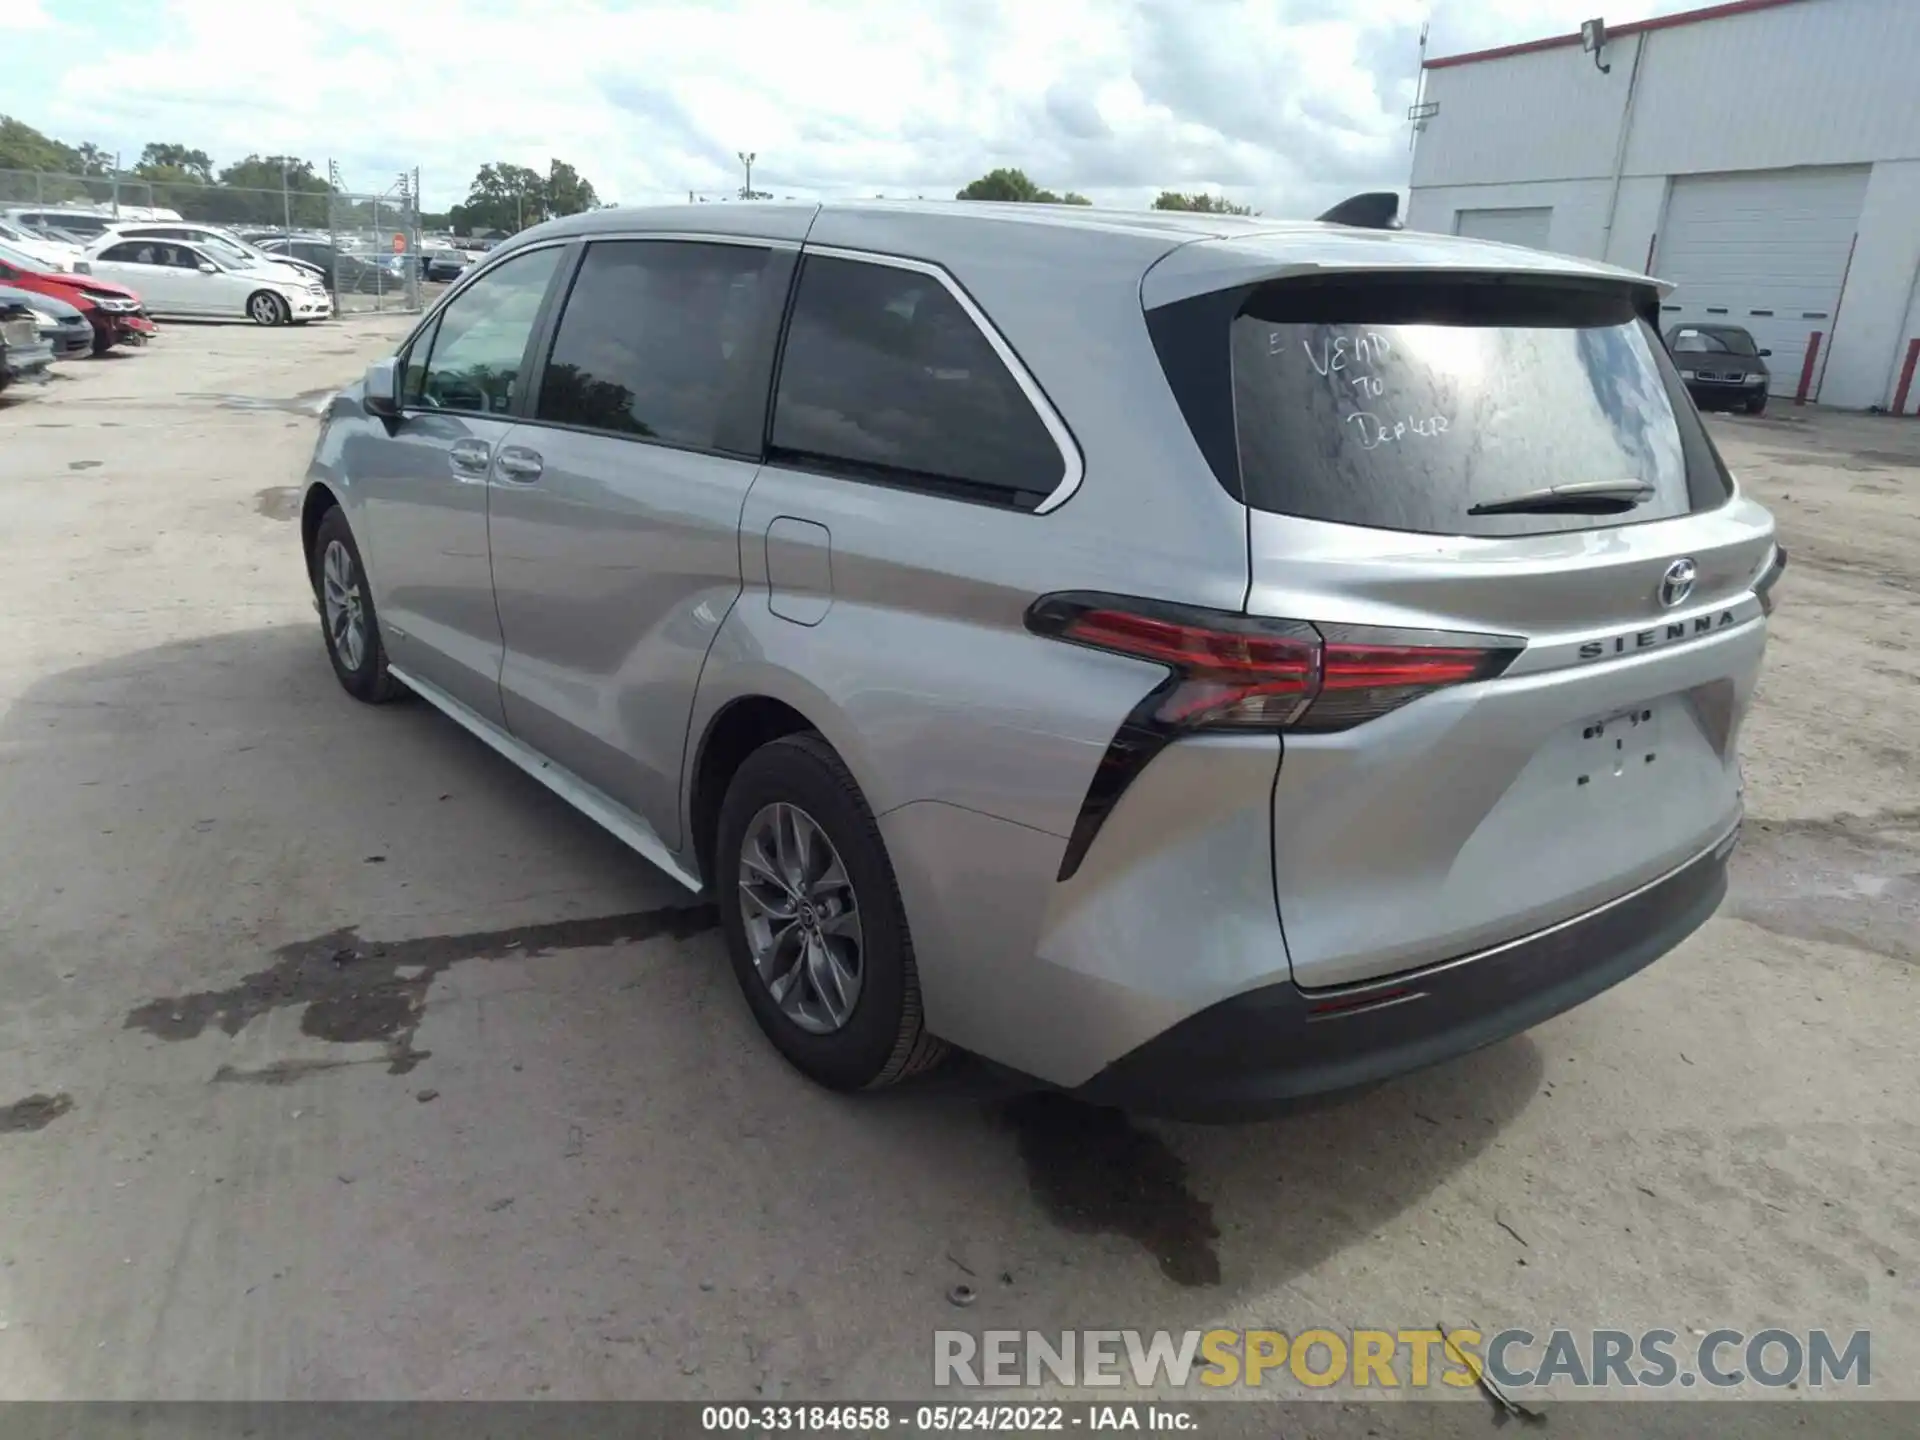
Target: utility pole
[[116, 184], [747, 158], [286, 199]]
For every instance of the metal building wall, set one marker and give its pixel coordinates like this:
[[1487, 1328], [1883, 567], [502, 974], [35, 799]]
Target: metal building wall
[[1814, 82]]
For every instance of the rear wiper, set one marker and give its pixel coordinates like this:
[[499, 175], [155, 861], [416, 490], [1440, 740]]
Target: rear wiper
[[1581, 497]]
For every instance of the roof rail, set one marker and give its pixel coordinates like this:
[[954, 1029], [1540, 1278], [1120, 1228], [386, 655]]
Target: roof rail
[[1374, 210]]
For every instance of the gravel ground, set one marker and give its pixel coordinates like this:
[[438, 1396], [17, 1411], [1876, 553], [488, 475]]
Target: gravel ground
[[543, 1152]]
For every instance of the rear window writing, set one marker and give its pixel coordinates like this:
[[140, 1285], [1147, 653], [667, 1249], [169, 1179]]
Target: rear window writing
[[1408, 422]]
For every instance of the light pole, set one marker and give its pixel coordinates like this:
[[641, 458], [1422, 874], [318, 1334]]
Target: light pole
[[746, 159]]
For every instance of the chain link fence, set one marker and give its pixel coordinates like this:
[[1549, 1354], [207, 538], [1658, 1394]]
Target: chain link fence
[[369, 243]]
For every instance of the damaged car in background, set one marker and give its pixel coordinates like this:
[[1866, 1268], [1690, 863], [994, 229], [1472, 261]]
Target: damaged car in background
[[24, 357], [61, 325], [116, 313]]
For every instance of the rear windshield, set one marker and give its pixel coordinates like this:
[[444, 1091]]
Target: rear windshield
[[1406, 405]]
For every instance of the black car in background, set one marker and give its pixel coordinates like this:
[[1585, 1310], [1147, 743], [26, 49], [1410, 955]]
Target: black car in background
[[1721, 366], [345, 270]]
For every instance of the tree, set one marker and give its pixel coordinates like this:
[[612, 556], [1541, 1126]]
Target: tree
[[90, 160], [1201, 202], [567, 193], [1004, 184], [512, 197], [175, 162]]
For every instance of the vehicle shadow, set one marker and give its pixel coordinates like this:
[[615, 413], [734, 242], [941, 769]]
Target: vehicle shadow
[[1056, 1214]]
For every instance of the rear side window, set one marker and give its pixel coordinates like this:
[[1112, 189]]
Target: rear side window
[[886, 377], [1409, 404], [656, 337]]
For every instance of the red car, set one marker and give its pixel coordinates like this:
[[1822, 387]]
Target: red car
[[114, 311]]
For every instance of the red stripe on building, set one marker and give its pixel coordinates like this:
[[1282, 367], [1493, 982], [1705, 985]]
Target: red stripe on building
[[1631, 27]]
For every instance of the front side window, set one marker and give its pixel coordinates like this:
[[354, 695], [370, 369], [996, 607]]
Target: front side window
[[655, 339], [886, 376], [474, 354]]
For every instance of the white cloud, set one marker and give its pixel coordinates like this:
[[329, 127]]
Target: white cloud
[[1288, 104], [25, 15]]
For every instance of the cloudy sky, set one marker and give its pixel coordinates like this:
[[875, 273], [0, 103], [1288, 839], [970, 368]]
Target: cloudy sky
[[1285, 104]]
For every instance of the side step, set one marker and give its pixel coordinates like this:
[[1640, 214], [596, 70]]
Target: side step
[[609, 814]]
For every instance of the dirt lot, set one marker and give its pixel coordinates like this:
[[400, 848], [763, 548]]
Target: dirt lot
[[542, 1151]]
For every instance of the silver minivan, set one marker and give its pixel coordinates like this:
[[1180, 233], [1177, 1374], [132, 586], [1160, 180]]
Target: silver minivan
[[1197, 662]]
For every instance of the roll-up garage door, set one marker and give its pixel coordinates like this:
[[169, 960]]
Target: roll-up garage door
[[1514, 227], [1767, 250]]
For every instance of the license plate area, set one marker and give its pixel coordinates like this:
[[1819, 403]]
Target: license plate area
[[1620, 748]]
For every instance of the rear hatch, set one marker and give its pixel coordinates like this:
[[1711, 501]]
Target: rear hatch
[[1505, 464]]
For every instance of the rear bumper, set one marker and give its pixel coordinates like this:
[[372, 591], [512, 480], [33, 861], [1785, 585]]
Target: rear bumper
[[1271, 1049]]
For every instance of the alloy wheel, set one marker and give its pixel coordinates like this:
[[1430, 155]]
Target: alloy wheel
[[802, 918], [343, 604]]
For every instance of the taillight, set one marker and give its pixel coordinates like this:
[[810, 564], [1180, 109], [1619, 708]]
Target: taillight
[[1247, 672]]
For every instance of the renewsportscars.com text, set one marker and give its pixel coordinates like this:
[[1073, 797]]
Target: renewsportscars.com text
[[1414, 1359]]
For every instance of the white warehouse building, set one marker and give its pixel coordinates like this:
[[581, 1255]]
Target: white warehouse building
[[1762, 155]]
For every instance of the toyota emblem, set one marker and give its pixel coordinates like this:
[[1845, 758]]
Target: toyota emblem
[[1677, 584]]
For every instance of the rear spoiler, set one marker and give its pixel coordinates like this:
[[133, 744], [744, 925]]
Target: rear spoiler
[[1373, 210]]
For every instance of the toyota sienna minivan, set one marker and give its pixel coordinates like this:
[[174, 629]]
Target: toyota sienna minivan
[[1197, 662]]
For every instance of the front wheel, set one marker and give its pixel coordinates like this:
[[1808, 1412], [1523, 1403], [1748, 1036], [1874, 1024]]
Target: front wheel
[[813, 920], [266, 308], [347, 620], [1756, 405]]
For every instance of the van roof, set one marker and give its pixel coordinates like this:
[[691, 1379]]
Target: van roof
[[930, 229]]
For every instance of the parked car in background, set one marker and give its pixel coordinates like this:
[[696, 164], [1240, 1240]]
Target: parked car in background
[[84, 224], [57, 254], [1200, 662], [25, 358], [62, 326], [116, 313], [1721, 365], [225, 246], [343, 271], [442, 265], [177, 279]]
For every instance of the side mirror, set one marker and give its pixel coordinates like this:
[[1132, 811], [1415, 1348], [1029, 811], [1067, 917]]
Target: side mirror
[[1766, 352], [381, 388], [207, 267]]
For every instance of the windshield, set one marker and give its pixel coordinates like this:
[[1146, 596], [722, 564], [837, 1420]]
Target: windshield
[[1721, 340], [1404, 405], [226, 252]]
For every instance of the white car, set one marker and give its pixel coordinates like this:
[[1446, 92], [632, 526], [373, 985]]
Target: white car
[[226, 247], [180, 280], [53, 253]]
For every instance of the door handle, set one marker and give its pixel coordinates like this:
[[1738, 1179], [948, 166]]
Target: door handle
[[470, 457], [519, 464]]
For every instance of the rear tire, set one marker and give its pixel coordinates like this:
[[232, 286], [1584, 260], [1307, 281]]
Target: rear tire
[[348, 624], [855, 924], [266, 308]]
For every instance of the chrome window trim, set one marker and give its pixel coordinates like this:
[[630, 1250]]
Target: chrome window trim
[[1074, 465]]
